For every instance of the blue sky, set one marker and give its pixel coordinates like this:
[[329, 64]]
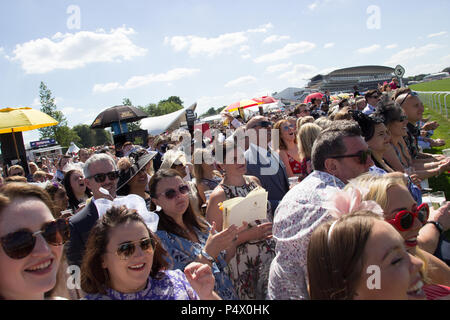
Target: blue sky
[[92, 54]]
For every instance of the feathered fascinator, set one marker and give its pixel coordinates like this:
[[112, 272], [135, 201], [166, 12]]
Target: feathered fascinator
[[349, 201]]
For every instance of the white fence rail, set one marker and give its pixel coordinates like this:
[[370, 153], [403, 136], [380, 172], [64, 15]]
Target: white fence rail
[[433, 100]]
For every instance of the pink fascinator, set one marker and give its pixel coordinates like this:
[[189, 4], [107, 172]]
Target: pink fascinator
[[349, 201]]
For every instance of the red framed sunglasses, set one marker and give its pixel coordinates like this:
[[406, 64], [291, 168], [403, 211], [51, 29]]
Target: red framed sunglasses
[[404, 219]]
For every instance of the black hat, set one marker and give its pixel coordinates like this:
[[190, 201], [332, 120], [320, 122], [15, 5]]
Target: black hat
[[138, 162]]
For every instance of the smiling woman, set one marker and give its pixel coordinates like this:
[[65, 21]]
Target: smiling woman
[[31, 242], [124, 260]]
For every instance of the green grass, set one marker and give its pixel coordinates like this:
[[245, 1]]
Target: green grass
[[441, 182], [437, 85]]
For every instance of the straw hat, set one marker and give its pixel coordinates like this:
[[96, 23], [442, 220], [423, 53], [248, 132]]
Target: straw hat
[[173, 157]]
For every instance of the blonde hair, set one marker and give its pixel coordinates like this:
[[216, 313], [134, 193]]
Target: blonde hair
[[303, 120], [306, 136]]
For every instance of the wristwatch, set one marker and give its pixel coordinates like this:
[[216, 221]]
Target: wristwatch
[[437, 225], [207, 256]]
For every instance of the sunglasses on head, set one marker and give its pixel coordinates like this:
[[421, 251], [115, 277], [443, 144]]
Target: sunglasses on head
[[126, 250], [412, 93], [362, 155], [101, 177], [172, 193], [264, 124], [402, 118], [404, 219], [19, 244]]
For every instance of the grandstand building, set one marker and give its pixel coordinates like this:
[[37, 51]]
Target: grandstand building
[[343, 80]]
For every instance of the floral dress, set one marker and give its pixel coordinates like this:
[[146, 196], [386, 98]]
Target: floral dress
[[183, 251], [168, 285], [249, 268]]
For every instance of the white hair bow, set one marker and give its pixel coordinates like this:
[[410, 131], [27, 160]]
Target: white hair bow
[[133, 202]]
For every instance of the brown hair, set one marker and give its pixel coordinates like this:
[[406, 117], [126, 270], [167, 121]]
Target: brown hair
[[167, 223], [94, 278], [344, 114], [335, 261], [16, 166], [277, 126], [20, 190], [15, 179]]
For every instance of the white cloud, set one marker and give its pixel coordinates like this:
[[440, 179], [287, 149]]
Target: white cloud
[[139, 81], [278, 67], [244, 48], [246, 56], [71, 110], [432, 35], [76, 50], [391, 46], [275, 38], [368, 50], [240, 81], [299, 73], [287, 51], [313, 5], [409, 54], [329, 45], [262, 29], [211, 47], [206, 46]]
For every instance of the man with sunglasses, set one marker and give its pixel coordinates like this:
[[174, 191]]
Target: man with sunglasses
[[100, 171], [263, 162], [372, 97], [338, 155]]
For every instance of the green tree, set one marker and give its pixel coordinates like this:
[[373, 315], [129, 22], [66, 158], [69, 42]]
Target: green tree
[[132, 126], [101, 137], [86, 134], [48, 106], [173, 99], [65, 135]]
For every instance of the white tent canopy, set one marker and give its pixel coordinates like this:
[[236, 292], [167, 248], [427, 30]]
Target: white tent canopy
[[216, 117], [157, 125]]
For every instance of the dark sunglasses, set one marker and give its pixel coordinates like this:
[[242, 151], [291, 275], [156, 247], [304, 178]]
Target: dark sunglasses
[[19, 244], [362, 155], [286, 128], [127, 249], [172, 193], [264, 124], [101, 177], [404, 219]]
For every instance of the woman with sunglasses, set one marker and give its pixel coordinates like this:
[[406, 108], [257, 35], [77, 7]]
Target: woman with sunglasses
[[205, 173], [187, 237], [124, 260], [401, 211], [249, 268], [288, 149], [31, 242], [133, 174]]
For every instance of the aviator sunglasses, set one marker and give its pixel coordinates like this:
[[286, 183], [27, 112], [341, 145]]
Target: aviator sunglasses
[[127, 249], [361, 155], [101, 177], [404, 219], [19, 244], [172, 193]]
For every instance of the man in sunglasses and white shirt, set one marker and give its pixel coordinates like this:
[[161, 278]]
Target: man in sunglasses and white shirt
[[338, 155], [100, 171]]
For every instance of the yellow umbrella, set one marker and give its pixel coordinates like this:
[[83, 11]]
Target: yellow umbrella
[[23, 119]]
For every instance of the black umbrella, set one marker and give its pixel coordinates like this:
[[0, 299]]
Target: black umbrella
[[118, 114]]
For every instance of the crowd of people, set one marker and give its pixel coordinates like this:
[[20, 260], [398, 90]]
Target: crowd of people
[[344, 180]]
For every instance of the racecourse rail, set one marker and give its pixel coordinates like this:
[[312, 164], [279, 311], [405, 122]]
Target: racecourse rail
[[433, 100]]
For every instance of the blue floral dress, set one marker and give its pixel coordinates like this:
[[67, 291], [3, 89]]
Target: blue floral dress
[[172, 285], [183, 251]]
